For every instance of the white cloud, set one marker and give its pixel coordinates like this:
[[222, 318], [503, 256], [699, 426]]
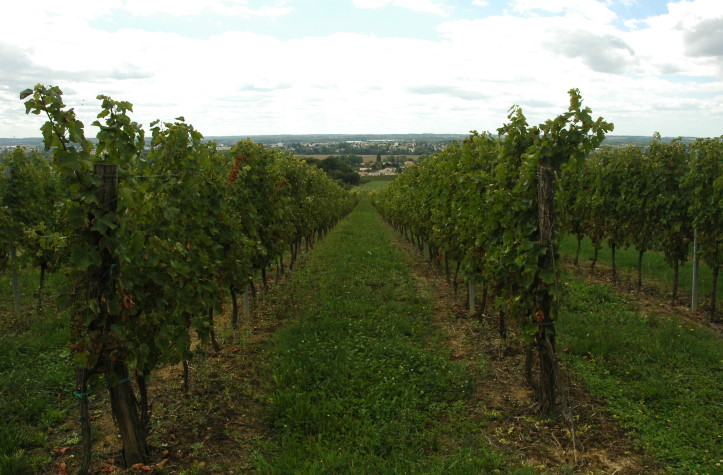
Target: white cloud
[[603, 53], [589, 9], [618, 72], [466, 78], [223, 7], [679, 41], [425, 6], [372, 3], [625, 3], [480, 3], [79, 9]]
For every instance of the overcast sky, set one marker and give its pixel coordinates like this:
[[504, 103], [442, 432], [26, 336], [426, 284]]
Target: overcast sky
[[246, 67]]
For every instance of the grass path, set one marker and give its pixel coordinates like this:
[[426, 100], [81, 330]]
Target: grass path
[[361, 361], [374, 185], [657, 274], [659, 374], [370, 369], [362, 380], [35, 377]]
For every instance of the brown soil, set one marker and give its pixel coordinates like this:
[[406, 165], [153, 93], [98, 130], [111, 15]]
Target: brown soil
[[215, 427], [650, 297], [504, 404], [219, 424]]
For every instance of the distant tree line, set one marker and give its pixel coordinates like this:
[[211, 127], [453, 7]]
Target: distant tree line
[[371, 148], [339, 168]]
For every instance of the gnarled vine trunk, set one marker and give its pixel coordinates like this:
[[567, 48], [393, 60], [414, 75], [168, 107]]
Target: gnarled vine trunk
[[123, 401], [125, 414], [676, 272], [714, 285], [614, 268], [639, 284], [594, 257], [234, 307], [545, 337], [577, 252], [41, 285]]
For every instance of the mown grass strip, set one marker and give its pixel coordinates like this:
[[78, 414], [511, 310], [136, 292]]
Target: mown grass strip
[[656, 271], [36, 377], [374, 185], [363, 383], [660, 376]]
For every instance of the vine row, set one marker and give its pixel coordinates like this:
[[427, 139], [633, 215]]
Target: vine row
[[486, 207], [153, 239]]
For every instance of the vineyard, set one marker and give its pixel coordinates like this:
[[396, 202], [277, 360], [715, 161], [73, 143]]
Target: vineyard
[[151, 244], [661, 200], [151, 248]]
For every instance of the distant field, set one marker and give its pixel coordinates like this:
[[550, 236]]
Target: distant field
[[655, 270], [366, 158], [374, 185]]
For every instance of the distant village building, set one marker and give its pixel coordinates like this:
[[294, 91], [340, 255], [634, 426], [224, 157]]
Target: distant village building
[[383, 172]]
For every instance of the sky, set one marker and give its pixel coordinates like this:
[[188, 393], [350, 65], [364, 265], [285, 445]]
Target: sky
[[250, 67]]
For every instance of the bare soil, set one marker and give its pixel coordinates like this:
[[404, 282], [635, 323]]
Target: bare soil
[[216, 426], [219, 425], [504, 404], [651, 297]]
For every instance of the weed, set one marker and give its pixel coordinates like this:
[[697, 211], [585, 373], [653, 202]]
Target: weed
[[655, 270], [660, 376], [363, 382], [36, 380]]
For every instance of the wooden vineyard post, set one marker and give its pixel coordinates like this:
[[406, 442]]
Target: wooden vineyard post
[[123, 401], [234, 307], [16, 281], [545, 337], [13, 263], [81, 392], [694, 290], [246, 304], [471, 298]]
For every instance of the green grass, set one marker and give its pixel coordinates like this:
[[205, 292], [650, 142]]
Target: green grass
[[36, 379], [380, 178], [656, 271], [362, 381], [374, 185], [661, 377]]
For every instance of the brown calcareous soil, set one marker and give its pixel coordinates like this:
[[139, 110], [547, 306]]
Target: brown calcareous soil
[[504, 404]]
